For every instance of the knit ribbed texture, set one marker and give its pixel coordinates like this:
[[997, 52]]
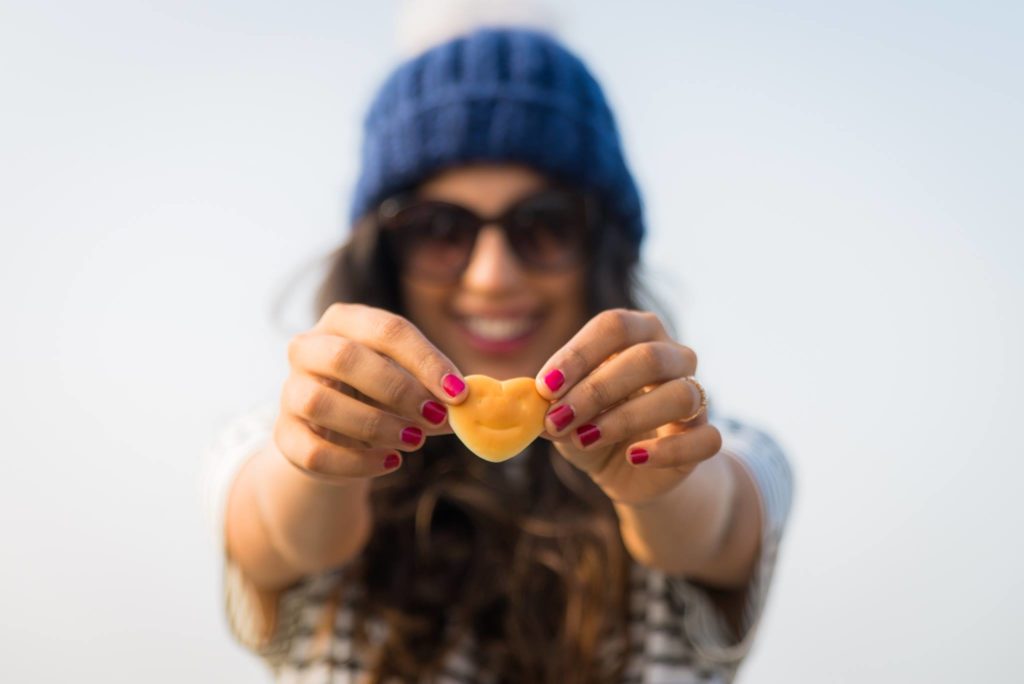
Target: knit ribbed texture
[[498, 95]]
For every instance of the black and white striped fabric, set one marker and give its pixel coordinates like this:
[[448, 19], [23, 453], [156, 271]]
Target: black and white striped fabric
[[678, 634]]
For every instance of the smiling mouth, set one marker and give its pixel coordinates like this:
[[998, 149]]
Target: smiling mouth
[[500, 329]]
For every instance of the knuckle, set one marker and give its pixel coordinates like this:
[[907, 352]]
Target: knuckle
[[653, 319], [427, 366], [598, 393], [576, 358], [314, 401], [344, 356], [628, 422], [316, 458], [303, 445], [394, 389], [299, 444], [392, 327], [370, 427], [615, 321], [651, 356]]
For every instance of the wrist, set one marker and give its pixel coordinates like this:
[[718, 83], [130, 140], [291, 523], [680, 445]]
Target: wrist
[[680, 531], [310, 521]]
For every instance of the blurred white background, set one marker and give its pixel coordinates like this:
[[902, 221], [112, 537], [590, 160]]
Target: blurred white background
[[835, 210]]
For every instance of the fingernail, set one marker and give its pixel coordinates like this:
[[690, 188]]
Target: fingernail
[[588, 434], [392, 461], [412, 435], [554, 380], [638, 456], [562, 416], [434, 412], [452, 385]]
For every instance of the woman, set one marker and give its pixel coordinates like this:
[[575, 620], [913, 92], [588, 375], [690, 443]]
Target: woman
[[496, 231]]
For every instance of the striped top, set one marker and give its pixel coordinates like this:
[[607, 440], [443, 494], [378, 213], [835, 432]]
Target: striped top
[[677, 633]]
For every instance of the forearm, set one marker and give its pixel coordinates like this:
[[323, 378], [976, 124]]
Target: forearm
[[707, 528], [283, 524]]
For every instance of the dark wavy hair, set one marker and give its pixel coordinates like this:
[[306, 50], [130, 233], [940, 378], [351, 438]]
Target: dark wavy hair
[[533, 568]]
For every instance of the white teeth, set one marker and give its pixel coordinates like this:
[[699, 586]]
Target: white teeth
[[498, 329]]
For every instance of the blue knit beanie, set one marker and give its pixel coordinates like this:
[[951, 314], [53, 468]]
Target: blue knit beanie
[[498, 95]]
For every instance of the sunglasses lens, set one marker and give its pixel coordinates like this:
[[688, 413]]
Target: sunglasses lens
[[548, 230], [432, 239]]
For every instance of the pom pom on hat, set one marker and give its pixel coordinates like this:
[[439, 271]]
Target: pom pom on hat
[[423, 24]]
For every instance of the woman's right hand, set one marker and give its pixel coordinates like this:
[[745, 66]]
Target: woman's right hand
[[364, 384]]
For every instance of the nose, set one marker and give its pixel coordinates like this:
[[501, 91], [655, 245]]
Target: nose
[[493, 266]]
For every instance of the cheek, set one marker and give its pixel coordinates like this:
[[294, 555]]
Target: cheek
[[425, 308], [421, 298], [570, 308]]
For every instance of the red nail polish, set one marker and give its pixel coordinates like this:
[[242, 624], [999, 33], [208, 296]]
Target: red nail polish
[[588, 434], [638, 456], [412, 435], [392, 461], [434, 412], [452, 385], [554, 380], [562, 416]]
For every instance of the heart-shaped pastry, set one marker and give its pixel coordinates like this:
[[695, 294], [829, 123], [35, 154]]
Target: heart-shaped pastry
[[499, 418]]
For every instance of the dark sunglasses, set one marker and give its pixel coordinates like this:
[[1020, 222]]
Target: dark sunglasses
[[433, 240]]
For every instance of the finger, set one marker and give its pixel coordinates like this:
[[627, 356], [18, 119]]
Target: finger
[[680, 450], [306, 398], [605, 334], [668, 402], [325, 460], [358, 366], [397, 338], [335, 437], [647, 363]]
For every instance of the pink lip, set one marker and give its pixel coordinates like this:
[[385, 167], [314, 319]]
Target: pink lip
[[499, 347], [496, 313]]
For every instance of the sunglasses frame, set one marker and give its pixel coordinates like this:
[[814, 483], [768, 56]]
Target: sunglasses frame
[[390, 207]]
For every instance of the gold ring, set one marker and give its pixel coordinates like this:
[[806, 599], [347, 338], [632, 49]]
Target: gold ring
[[703, 398]]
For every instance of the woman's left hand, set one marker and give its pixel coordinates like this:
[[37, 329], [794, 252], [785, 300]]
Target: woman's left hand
[[622, 390]]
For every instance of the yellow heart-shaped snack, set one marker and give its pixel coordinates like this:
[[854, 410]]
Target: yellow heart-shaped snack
[[499, 418]]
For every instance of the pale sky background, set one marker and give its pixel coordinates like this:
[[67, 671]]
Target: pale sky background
[[835, 209]]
